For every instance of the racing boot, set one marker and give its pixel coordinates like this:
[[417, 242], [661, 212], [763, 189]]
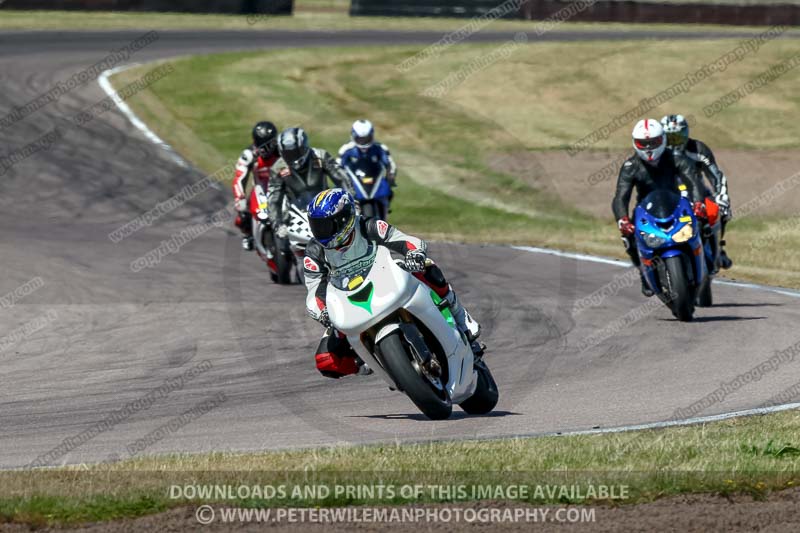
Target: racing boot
[[363, 368], [335, 357], [242, 221], [724, 261], [646, 290], [465, 323]]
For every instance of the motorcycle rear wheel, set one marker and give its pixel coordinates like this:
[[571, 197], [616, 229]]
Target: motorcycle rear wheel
[[704, 296], [486, 394]]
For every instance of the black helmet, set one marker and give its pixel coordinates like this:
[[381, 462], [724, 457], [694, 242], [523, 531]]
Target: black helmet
[[293, 147], [265, 136]]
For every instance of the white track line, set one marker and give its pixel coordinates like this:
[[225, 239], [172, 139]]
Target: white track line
[[685, 421], [617, 262], [105, 84]]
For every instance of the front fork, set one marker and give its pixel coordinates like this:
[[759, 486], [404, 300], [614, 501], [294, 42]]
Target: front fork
[[694, 258]]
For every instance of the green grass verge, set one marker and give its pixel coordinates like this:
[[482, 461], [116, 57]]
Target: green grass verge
[[753, 455], [450, 188]]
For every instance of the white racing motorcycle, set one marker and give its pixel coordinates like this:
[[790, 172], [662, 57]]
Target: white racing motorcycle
[[405, 332], [292, 249]]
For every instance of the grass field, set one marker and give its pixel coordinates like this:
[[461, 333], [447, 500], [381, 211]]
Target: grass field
[[448, 147], [752, 455]]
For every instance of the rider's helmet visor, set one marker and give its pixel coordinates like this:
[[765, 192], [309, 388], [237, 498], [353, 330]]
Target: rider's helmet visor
[[266, 148], [327, 230], [363, 141], [676, 138], [648, 144]]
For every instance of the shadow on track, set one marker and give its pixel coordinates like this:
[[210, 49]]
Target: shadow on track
[[457, 415], [722, 318]]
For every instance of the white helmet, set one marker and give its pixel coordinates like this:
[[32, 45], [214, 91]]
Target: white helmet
[[649, 140], [677, 130], [362, 133]]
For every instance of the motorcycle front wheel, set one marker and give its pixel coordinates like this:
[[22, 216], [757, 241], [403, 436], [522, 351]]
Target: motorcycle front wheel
[[368, 210], [285, 264], [429, 395], [678, 289]]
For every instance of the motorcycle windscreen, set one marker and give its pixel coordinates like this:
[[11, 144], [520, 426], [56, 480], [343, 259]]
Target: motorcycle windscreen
[[661, 204], [368, 172]]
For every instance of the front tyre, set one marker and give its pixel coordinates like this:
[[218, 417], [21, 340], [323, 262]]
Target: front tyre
[[486, 394], [429, 397], [679, 290], [368, 210], [285, 263]]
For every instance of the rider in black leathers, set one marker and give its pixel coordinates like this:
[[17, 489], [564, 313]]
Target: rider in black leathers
[[678, 140], [301, 170]]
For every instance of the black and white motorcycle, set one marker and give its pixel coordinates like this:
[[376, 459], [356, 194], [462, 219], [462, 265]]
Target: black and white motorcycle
[[292, 249]]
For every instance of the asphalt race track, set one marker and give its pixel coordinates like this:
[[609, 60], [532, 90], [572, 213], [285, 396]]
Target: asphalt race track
[[92, 336]]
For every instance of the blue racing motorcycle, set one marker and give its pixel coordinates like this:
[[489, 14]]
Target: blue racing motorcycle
[[372, 188], [677, 262]]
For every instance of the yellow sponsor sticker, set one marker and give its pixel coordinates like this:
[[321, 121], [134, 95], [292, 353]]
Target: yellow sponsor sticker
[[685, 219], [355, 282]]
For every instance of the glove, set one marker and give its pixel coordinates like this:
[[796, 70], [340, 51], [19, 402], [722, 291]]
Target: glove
[[324, 318], [699, 209], [241, 204], [724, 203], [626, 227], [415, 260], [282, 231]]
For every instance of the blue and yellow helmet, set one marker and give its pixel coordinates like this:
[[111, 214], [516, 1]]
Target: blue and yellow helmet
[[332, 217]]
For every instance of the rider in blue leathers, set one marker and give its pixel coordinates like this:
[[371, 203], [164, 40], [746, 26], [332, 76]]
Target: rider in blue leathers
[[363, 152]]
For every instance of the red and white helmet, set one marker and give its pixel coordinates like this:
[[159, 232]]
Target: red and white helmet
[[649, 140]]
